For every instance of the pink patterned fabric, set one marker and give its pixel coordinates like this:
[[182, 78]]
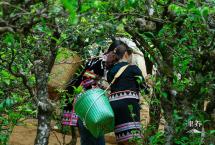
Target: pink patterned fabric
[[69, 118]]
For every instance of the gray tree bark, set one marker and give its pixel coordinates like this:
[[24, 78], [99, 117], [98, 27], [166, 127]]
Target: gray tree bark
[[45, 107]]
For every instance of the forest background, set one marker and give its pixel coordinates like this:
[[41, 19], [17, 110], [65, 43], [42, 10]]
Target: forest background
[[176, 36]]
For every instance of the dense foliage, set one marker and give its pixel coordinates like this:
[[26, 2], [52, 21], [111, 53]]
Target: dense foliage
[[176, 36]]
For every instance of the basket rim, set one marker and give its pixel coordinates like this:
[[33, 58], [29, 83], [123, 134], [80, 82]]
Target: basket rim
[[87, 91]]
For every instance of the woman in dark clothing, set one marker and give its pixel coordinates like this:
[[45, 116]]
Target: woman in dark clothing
[[92, 73], [124, 97]]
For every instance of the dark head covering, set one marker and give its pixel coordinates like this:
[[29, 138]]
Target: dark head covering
[[114, 44]]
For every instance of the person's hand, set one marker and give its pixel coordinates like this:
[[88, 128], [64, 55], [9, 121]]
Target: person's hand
[[103, 84], [104, 57]]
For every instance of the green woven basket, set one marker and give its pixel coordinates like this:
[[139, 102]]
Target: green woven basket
[[94, 109]]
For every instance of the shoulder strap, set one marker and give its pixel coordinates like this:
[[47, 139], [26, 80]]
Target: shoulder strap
[[118, 74]]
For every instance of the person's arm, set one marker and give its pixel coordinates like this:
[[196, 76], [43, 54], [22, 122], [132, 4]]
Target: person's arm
[[109, 76]]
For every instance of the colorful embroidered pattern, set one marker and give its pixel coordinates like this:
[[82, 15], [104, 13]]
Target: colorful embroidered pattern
[[90, 74], [123, 95], [88, 82], [127, 137], [69, 118], [127, 131], [127, 126]]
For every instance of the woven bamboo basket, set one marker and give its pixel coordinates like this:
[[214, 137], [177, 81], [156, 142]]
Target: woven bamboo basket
[[62, 71], [94, 109]]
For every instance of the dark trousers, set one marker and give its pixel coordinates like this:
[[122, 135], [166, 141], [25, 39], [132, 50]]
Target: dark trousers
[[87, 138]]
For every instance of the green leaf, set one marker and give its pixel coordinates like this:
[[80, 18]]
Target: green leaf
[[78, 90], [162, 44], [5, 74], [85, 7], [73, 18], [131, 108], [71, 6], [139, 79], [1, 106], [164, 94], [120, 27], [96, 3], [149, 34], [205, 11], [9, 102], [9, 39], [1, 93], [131, 1], [7, 81], [191, 4], [212, 131]]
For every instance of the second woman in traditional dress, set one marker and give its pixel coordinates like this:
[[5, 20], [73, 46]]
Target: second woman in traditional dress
[[124, 97]]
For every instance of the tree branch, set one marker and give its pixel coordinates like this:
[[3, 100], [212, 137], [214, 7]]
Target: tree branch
[[53, 48], [24, 28], [20, 75], [14, 6], [159, 3], [163, 66], [6, 29], [153, 19]]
